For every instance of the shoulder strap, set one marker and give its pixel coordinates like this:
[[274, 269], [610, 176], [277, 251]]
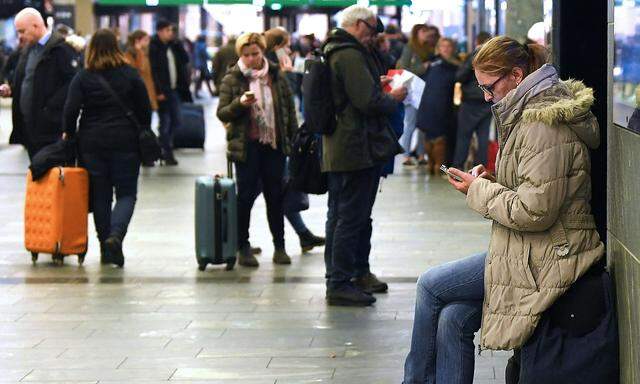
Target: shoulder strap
[[127, 112]]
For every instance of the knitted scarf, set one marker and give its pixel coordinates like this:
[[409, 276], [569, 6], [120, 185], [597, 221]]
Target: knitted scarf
[[262, 111]]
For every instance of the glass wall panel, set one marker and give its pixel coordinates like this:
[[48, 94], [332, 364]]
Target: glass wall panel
[[626, 70]]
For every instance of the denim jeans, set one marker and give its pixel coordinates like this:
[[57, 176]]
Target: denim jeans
[[109, 171], [472, 117], [448, 313], [262, 170], [410, 116], [295, 219], [170, 117], [348, 229]]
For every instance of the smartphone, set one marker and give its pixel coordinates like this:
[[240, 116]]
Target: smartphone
[[280, 53], [445, 170]]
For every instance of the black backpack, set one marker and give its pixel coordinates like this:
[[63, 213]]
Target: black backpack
[[317, 97]]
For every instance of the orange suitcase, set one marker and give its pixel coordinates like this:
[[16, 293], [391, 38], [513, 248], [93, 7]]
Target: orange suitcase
[[55, 214]]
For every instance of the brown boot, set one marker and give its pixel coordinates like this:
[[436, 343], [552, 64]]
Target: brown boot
[[439, 152], [428, 149]]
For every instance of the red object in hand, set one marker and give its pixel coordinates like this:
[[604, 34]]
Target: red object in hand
[[390, 74]]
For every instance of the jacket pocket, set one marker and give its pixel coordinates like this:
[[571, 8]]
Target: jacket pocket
[[526, 264]]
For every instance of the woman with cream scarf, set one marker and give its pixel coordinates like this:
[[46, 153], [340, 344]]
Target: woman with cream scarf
[[257, 108]]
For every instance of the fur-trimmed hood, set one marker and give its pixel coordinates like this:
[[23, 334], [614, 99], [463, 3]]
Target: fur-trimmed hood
[[543, 98]]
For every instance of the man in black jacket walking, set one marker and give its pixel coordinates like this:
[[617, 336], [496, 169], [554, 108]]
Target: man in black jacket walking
[[40, 83], [169, 67]]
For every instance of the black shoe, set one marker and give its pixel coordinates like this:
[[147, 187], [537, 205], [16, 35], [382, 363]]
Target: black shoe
[[349, 296], [113, 246], [369, 283], [170, 161], [148, 164], [104, 254], [246, 258], [308, 241]]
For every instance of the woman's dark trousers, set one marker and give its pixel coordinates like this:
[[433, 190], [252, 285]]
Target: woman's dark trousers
[[264, 167], [109, 172]]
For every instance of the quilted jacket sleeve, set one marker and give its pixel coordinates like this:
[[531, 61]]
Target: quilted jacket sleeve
[[543, 165], [229, 106]]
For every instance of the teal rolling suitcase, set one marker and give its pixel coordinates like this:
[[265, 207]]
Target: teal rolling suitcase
[[216, 221]]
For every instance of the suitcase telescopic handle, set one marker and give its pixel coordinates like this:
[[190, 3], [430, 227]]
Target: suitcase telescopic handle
[[229, 169]]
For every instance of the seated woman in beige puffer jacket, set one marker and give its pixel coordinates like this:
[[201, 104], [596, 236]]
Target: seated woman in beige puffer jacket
[[543, 236]]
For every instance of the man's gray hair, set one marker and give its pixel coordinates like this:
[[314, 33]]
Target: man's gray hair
[[352, 14]]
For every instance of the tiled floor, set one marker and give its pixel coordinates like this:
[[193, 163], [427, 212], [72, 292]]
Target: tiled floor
[[160, 319]]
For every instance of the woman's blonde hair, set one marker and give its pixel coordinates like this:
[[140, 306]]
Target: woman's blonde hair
[[276, 37], [501, 54], [250, 38], [103, 51]]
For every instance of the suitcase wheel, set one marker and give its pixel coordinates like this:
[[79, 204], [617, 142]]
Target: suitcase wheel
[[202, 266], [230, 264], [34, 257], [58, 259], [81, 258]]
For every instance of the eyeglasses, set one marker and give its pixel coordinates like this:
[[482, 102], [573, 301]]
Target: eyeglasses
[[489, 88], [373, 29]]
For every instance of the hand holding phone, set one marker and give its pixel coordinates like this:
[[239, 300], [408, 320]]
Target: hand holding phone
[[445, 170], [248, 98]]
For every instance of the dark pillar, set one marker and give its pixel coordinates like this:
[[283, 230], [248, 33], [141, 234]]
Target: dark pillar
[[581, 53]]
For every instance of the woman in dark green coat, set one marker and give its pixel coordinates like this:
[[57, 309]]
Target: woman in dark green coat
[[257, 109]]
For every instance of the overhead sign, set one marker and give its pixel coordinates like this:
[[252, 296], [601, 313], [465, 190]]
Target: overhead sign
[[284, 3]]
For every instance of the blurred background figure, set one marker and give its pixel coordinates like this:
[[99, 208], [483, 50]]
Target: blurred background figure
[[397, 41], [416, 57], [223, 60], [170, 71], [201, 66], [278, 51], [435, 116], [474, 114], [137, 55]]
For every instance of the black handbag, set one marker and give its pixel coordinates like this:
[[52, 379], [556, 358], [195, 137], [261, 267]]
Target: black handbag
[[294, 201], [148, 143], [576, 340], [305, 163]]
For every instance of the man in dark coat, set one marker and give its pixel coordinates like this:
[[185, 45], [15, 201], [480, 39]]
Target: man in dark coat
[[40, 83], [170, 70], [353, 156], [224, 59]]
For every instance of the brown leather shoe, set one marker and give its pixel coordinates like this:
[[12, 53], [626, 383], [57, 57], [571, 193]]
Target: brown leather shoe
[[280, 257], [246, 258]]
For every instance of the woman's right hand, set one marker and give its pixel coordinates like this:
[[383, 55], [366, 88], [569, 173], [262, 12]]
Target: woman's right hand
[[481, 171], [247, 101]]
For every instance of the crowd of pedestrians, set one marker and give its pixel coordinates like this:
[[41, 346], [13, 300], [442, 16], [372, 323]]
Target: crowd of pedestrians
[[101, 96]]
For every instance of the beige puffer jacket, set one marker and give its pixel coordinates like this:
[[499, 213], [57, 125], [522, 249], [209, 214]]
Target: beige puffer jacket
[[543, 236]]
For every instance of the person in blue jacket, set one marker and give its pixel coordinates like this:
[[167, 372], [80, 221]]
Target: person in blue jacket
[[201, 64], [436, 114]]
